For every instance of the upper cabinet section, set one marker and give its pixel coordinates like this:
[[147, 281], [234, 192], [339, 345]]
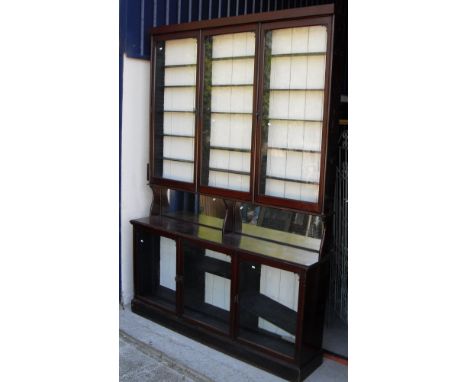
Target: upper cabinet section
[[240, 107], [228, 107], [174, 109]]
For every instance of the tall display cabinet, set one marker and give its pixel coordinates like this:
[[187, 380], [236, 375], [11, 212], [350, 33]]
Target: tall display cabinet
[[233, 252]]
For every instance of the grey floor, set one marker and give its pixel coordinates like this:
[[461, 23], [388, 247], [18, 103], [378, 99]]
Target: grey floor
[[150, 352]]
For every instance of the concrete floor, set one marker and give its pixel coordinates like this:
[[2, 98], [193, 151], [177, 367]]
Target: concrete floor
[[150, 352]]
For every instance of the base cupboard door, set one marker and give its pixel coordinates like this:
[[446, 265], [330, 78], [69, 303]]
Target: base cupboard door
[[155, 264], [268, 304], [207, 286]]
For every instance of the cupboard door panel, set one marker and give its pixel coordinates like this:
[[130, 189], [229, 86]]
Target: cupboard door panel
[[228, 101], [293, 97], [207, 286], [155, 262], [268, 304]]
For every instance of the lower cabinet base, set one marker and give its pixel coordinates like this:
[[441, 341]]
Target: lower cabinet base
[[289, 371]]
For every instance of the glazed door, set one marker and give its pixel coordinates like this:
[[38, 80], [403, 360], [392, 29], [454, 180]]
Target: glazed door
[[155, 268], [268, 306], [207, 286]]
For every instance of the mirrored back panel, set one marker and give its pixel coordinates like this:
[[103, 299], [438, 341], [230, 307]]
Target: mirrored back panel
[[299, 229]]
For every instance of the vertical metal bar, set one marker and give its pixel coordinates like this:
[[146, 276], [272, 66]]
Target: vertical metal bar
[[237, 7], [167, 12], [179, 6], [142, 27], [200, 9], [210, 7], [190, 10], [155, 13], [219, 8], [228, 8]]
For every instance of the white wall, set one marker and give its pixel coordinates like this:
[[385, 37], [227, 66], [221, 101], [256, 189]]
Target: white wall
[[136, 195]]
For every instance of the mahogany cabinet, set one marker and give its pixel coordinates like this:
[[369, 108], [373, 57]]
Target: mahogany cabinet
[[233, 251]]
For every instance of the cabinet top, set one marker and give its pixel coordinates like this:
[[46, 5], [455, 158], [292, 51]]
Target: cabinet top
[[299, 257], [293, 13]]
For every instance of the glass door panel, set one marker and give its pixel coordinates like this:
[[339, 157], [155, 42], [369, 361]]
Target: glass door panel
[[268, 300], [175, 73], [207, 286], [292, 114], [227, 110], [156, 268]]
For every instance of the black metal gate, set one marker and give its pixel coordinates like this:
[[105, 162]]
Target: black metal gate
[[338, 292]]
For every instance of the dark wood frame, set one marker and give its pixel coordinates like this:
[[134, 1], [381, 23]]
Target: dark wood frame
[[259, 23]]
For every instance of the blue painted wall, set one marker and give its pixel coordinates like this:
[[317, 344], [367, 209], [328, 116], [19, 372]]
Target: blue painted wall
[[142, 15]]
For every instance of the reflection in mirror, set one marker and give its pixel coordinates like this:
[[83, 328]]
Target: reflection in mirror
[[286, 227], [194, 208], [304, 230]]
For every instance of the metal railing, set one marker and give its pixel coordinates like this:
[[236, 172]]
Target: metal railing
[[338, 289]]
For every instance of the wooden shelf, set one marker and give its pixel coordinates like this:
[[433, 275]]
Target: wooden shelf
[[230, 112], [175, 136], [231, 85], [178, 160], [180, 66], [229, 149], [291, 180], [292, 90], [178, 86], [208, 314], [295, 150], [293, 120], [269, 309], [229, 171], [299, 54], [267, 340], [231, 58], [162, 296], [214, 266], [176, 111]]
